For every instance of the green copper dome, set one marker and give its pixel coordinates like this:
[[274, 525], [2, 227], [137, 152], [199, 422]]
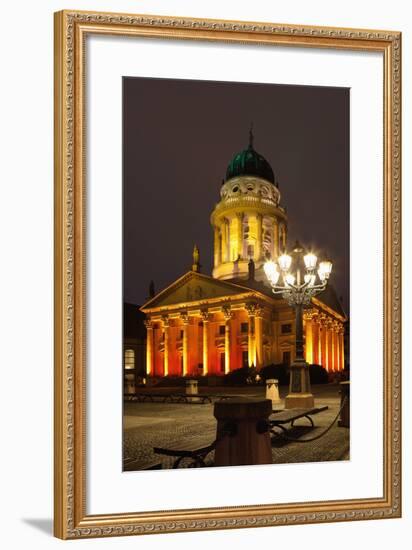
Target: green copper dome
[[250, 163]]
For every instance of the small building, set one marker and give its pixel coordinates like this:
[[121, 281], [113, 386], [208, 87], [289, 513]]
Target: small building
[[204, 325], [134, 347]]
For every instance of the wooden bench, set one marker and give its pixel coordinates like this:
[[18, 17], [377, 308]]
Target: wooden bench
[[194, 452], [190, 398], [281, 417], [152, 397], [159, 397], [168, 398], [224, 397]]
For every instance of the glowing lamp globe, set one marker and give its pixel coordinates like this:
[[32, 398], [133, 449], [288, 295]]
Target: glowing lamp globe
[[285, 261], [271, 271], [310, 261], [325, 269]]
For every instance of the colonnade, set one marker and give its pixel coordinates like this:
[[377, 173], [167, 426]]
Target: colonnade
[[324, 341], [225, 315], [255, 335], [230, 242]]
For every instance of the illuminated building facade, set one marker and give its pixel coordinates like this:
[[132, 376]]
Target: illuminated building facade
[[212, 325]]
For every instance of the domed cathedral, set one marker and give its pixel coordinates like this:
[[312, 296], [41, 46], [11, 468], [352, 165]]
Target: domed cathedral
[[210, 325], [248, 222]]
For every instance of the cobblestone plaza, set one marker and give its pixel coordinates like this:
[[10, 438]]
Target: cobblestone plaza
[[170, 425]]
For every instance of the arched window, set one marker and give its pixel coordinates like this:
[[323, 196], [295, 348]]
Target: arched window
[[129, 359], [267, 236]]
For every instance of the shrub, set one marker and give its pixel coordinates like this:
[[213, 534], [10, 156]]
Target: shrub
[[171, 381], [318, 375], [241, 377], [278, 372]]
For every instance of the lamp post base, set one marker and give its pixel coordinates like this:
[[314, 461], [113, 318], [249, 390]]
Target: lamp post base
[[299, 401], [300, 395]]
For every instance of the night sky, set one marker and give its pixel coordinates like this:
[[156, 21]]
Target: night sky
[[179, 136]]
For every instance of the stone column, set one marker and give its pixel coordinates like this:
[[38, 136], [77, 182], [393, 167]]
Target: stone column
[[331, 352], [315, 333], [149, 347], [205, 317], [328, 348], [284, 236], [324, 347], [166, 325], [223, 229], [251, 308], [342, 348], [185, 319], [338, 363], [309, 339], [227, 229], [239, 217], [320, 336], [280, 244], [335, 348], [323, 344], [216, 245], [324, 354], [258, 252], [259, 337], [275, 243], [228, 315]]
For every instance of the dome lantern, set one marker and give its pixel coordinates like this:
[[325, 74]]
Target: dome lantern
[[248, 221], [250, 163]]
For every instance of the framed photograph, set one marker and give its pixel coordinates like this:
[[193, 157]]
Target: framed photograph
[[227, 274]]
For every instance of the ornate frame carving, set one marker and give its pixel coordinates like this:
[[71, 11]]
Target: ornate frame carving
[[71, 520]]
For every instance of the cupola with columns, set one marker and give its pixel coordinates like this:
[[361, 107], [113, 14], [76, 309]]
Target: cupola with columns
[[248, 222]]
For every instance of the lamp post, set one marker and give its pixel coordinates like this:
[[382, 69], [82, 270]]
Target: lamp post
[[296, 278]]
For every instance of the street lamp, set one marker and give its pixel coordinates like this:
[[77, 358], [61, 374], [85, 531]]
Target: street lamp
[[297, 280]]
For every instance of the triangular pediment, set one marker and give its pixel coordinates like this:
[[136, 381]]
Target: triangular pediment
[[330, 299], [193, 287]]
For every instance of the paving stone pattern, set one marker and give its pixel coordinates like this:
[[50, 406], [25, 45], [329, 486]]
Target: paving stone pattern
[[148, 425]]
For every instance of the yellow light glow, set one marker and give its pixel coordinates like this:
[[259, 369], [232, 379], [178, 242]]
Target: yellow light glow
[[284, 262], [309, 342], [326, 268], [310, 261], [271, 271]]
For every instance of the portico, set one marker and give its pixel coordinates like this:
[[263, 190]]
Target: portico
[[231, 326]]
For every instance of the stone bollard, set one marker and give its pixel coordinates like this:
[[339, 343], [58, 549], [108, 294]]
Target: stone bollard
[[191, 387], [272, 391], [344, 419], [243, 432]]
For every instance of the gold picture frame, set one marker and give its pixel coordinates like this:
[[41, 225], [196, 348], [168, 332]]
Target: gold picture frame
[[71, 520]]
